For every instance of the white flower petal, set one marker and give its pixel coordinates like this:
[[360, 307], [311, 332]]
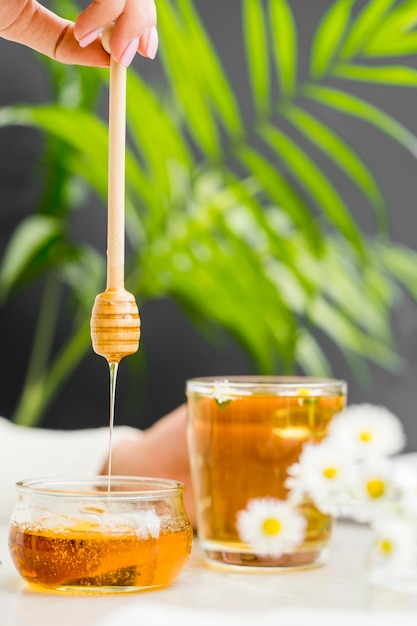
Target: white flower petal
[[395, 542], [270, 526], [323, 474], [368, 429]]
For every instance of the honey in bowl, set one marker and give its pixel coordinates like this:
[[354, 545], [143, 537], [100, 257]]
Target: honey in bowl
[[76, 536]]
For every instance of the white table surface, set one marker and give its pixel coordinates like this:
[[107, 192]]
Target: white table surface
[[335, 594]]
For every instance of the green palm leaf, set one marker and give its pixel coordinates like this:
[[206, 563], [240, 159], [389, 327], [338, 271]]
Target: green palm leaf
[[387, 46], [342, 155], [394, 34], [208, 71], [343, 286], [281, 192], [364, 27], [257, 55], [87, 135], [401, 19], [356, 107], [284, 45], [401, 261], [329, 37], [333, 323], [180, 70], [382, 75], [30, 245], [271, 231], [310, 177], [198, 79], [220, 301], [310, 355], [146, 117]]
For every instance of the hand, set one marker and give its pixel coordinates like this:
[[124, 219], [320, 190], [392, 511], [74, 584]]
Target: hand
[[161, 452], [31, 24]]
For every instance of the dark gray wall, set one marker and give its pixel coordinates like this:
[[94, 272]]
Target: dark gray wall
[[171, 349]]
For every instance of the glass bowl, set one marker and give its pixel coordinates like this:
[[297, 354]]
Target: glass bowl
[[89, 536]]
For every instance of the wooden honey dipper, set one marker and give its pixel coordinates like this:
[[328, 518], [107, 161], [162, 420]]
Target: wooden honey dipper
[[115, 322]]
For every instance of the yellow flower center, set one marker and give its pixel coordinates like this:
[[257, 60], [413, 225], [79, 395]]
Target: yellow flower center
[[365, 436], [271, 526], [330, 472], [375, 488], [385, 546]]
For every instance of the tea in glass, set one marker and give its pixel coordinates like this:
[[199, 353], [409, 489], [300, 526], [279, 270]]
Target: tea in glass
[[244, 433]]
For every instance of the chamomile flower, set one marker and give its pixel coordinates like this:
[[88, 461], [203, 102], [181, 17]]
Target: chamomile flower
[[270, 526], [323, 474], [368, 429], [392, 561], [375, 489], [394, 543], [221, 391]]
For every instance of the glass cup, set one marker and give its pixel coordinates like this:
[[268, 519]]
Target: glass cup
[[244, 433], [91, 536]]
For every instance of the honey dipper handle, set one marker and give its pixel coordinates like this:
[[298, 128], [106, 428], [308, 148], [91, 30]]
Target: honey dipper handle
[[116, 171]]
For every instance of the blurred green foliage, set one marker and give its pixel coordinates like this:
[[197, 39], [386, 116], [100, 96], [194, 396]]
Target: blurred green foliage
[[231, 217]]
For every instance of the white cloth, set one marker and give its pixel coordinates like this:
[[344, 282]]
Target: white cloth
[[37, 452]]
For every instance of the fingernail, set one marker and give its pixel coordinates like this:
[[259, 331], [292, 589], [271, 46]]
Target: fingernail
[[87, 39], [129, 54], [153, 42]]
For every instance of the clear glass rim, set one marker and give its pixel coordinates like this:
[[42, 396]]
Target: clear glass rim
[[96, 487], [278, 385]]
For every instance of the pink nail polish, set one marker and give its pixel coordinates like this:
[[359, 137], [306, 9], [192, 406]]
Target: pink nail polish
[[153, 43], [129, 54], [87, 39]]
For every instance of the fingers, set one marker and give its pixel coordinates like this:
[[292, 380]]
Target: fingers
[[69, 51], [134, 27], [38, 28], [31, 24]]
